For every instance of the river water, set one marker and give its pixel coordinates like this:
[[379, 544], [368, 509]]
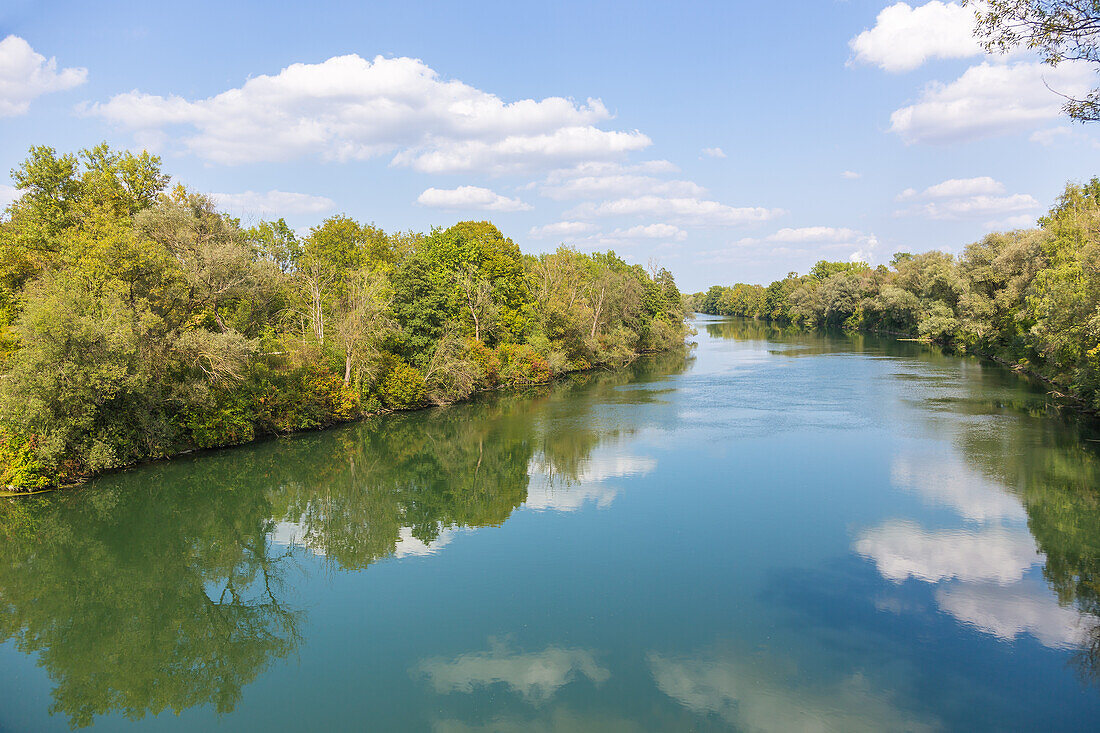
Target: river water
[[777, 532]]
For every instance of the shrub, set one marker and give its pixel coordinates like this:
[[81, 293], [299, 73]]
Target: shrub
[[523, 365], [20, 470], [403, 387]]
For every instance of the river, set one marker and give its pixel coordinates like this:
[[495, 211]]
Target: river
[[778, 532]]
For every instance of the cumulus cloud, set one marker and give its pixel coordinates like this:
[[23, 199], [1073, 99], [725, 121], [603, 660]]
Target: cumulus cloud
[[953, 484], [535, 676], [850, 175], [974, 207], [470, 197], [955, 187], [902, 549], [661, 233], [814, 234], [350, 108], [26, 75], [1022, 221], [990, 99], [965, 198], [714, 152], [409, 546], [8, 194], [683, 210], [815, 241], [904, 37], [561, 230], [1009, 611], [1065, 136], [602, 180], [651, 231], [755, 694], [273, 203]]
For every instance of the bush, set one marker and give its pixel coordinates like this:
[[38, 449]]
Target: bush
[[524, 365], [487, 361], [19, 469], [403, 387], [229, 421]]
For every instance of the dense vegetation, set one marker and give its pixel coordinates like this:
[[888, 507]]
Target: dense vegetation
[[1030, 297], [138, 322], [178, 569]]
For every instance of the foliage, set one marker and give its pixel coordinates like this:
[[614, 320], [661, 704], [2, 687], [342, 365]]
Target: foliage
[[1028, 297], [137, 322], [165, 589]]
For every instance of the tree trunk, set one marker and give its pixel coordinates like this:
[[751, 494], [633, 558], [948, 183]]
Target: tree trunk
[[218, 318], [596, 317]]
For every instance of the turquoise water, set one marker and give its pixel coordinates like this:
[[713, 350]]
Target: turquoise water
[[782, 531]]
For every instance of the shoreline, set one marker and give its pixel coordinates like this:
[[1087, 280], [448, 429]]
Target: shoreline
[[1059, 399], [8, 492]]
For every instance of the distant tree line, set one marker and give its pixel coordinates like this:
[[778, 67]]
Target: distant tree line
[[138, 321], [1028, 297]]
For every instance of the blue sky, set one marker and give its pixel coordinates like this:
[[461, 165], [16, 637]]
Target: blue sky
[[845, 129]]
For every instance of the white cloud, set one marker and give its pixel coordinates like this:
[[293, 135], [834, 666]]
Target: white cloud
[[546, 495], [651, 231], [535, 676], [850, 175], [902, 549], [8, 194], [619, 184], [800, 241], [1022, 221], [668, 235], [349, 108], [714, 152], [905, 37], [469, 197], [599, 168], [1009, 611], [974, 207], [26, 75], [814, 234], [955, 187], [990, 99], [561, 230], [684, 210], [1064, 135], [755, 693], [1050, 135], [965, 198], [953, 484], [273, 203], [409, 546]]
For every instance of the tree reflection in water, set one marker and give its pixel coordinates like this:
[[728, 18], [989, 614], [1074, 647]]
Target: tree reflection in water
[[161, 588], [1015, 441]]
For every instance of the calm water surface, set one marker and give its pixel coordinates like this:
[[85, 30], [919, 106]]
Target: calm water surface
[[781, 532]]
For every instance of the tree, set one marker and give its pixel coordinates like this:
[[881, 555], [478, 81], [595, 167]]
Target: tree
[[216, 263], [363, 319], [1059, 30], [487, 270]]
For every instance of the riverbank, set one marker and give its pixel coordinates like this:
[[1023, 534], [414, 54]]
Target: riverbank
[[147, 322], [11, 491], [1060, 399], [1027, 298]]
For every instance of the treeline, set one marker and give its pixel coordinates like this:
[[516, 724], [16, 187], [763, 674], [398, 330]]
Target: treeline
[[1029, 297], [139, 322]]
